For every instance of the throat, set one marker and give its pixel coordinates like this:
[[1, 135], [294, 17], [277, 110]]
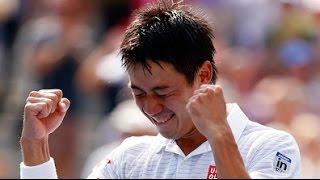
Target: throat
[[191, 141]]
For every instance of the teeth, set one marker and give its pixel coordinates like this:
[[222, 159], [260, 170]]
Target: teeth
[[162, 120]]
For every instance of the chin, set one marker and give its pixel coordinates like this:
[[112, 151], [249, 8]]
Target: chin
[[168, 136]]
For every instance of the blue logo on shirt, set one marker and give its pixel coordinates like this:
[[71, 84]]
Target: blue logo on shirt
[[281, 163]]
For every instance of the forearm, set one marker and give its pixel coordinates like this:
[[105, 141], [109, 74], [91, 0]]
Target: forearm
[[227, 157], [35, 152]]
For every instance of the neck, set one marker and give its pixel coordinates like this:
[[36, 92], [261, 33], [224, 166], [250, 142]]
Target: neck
[[190, 141]]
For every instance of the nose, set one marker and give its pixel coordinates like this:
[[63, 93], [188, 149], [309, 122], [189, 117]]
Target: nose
[[152, 106]]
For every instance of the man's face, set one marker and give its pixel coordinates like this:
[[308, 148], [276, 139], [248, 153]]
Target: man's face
[[162, 96]]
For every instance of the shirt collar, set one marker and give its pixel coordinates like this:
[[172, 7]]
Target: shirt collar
[[237, 121]]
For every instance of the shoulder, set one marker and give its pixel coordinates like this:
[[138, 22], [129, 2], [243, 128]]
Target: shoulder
[[116, 163], [260, 135], [136, 146], [138, 142], [269, 153]]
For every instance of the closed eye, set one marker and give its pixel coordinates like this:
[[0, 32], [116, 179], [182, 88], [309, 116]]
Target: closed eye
[[139, 95], [162, 95], [165, 95], [137, 92]]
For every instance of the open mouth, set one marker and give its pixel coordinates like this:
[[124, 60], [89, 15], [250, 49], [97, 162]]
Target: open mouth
[[163, 122]]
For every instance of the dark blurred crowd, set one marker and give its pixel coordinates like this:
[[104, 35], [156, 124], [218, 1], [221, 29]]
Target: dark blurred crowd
[[267, 57]]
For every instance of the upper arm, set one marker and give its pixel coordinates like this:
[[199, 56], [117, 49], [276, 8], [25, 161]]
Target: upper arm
[[277, 157], [101, 171], [107, 168], [110, 165], [118, 164]]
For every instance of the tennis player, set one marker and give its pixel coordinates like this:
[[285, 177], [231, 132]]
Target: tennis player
[[168, 54]]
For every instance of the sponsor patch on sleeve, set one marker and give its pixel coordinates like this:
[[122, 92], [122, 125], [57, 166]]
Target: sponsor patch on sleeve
[[281, 163]]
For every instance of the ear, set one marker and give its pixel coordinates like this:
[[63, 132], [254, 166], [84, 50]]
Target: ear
[[204, 74]]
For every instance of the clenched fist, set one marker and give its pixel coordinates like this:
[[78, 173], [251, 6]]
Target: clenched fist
[[207, 109], [43, 113]]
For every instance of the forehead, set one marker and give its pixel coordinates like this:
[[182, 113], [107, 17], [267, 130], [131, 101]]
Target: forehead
[[159, 74]]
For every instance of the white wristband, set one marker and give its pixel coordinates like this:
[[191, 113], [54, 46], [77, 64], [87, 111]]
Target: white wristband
[[46, 170]]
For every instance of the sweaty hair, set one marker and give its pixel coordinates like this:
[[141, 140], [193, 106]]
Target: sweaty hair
[[169, 32]]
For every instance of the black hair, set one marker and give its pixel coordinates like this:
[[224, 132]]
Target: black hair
[[169, 32]]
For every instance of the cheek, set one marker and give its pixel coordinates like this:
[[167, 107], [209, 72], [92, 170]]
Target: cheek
[[177, 105]]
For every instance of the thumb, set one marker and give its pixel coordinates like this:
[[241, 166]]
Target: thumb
[[63, 105]]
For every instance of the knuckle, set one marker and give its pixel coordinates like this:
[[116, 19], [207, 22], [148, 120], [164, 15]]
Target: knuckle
[[33, 93], [210, 91], [59, 91], [29, 99], [53, 97], [218, 89], [28, 106]]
